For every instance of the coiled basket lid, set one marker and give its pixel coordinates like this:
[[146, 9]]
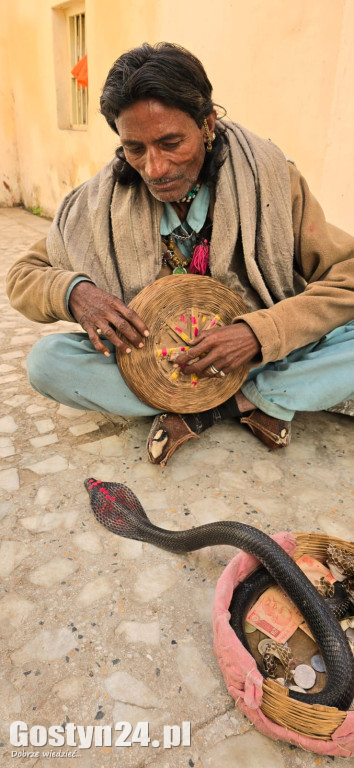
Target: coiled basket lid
[[176, 309]]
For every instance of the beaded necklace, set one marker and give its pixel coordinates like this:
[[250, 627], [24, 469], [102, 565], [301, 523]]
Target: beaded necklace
[[197, 262], [191, 195], [187, 249]]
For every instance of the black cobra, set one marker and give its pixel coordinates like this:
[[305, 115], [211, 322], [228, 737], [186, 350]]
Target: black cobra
[[118, 509]]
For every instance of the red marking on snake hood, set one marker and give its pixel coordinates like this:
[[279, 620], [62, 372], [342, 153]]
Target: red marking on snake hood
[[125, 498], [93, 482]]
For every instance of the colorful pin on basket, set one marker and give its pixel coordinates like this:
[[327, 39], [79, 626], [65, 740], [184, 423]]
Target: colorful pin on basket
[[320, 729]]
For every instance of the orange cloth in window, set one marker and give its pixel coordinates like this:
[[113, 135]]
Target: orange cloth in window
[[80, 72]]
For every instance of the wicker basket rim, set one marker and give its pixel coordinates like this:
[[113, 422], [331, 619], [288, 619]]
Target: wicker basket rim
[[312, 720]]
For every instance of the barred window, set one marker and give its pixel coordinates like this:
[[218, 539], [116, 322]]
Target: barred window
[[70, 64], [79, 92]]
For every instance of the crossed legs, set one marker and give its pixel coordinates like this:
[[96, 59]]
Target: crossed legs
[[67, 368]]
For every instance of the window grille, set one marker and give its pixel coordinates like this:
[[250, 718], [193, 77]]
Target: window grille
[[79, 94]]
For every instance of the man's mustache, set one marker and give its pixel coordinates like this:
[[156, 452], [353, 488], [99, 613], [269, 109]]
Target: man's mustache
[[163, 180]]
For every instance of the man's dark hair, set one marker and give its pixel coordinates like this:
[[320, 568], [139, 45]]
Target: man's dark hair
[[172, 75]]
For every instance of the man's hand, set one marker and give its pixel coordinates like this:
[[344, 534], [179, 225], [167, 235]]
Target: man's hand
[[225, 348], [97, 310]]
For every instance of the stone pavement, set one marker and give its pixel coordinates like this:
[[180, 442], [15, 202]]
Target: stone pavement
[[95, 629]]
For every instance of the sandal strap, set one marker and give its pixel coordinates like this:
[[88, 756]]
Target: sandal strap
[[178, 432], [273, 432]]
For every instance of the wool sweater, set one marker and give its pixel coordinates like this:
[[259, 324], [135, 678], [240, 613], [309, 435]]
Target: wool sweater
[[283, 318]]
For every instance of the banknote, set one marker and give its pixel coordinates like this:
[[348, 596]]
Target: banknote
[[275, 614], [314, 569]]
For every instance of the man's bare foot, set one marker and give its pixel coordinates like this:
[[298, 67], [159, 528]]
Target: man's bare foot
[[243, 403]]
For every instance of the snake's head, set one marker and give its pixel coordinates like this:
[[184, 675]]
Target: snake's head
[[117, 508], [88, 483]]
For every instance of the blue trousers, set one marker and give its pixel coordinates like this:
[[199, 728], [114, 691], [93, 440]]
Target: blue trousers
[[66, 368]]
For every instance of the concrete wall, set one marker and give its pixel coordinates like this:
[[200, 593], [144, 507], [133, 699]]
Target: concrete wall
[[10, 192], [285, 70]]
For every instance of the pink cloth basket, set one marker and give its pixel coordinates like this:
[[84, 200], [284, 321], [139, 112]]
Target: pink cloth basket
[[244, 681]]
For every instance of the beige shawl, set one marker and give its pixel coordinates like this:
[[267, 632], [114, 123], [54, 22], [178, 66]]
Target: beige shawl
[[112, 232]]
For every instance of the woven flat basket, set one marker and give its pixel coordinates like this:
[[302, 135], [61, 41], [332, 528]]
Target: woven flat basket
[[321, 729], [176, 309]]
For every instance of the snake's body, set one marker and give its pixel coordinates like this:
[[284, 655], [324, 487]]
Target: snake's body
[[117, 508]]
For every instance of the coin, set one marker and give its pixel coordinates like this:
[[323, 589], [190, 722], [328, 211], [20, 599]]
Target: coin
[[304, 676], [263, 645], [296, 688], [280, 680], [249, 628], [317, 663]]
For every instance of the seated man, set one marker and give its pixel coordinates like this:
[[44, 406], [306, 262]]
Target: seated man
[[183, 178]]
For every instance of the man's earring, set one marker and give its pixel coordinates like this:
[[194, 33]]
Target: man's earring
[[209, 145]]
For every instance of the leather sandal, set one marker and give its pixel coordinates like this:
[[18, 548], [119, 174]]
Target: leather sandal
[[168, 432], [274, 433]]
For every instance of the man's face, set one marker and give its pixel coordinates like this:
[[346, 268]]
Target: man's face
[[164, 145]]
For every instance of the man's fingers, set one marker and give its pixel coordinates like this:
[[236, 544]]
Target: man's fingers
[[225, 348], [97, 342], [200, 349], [112, 321], [131, 337], [130, 316], [108, 322], [123, 326], [188, 357], [95, 309], [200, 366]]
